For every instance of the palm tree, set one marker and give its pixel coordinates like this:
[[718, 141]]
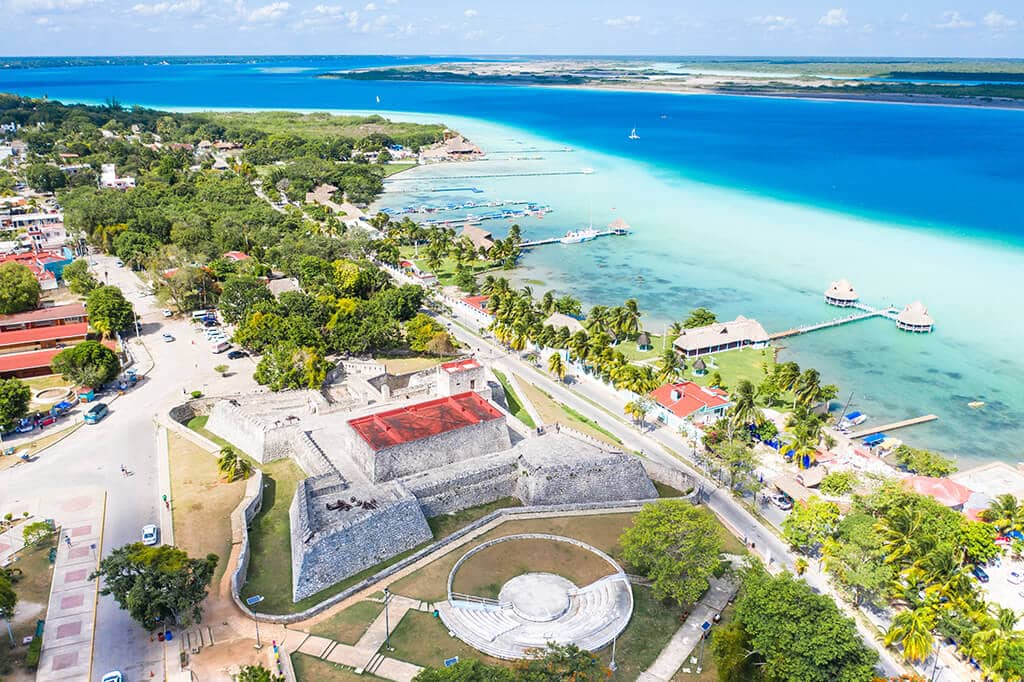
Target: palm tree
[[578, 344], [994, 641], [913, 629], [1005, 513], [233, 466], [556, 366], [597, 319], [744, 410], [675, 329], [669, 366], [547, 302], [786, 375], [627, 319], [807, 390]]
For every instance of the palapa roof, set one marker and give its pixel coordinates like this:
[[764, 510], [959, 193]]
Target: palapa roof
[[842, 290], [643, 340], [721, 333], [481, 238], [915, 315], [700, 364], [558, 320]]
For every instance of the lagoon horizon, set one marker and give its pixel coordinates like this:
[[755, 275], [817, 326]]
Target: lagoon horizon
[[712, 236]]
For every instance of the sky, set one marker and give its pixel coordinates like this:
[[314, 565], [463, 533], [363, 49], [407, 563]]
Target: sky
[[951, 28]]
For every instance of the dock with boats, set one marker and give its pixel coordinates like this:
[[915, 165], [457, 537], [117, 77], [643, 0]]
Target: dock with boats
[[618, 228]]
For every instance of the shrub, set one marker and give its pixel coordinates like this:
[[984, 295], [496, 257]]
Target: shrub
[[32, 656], [838, 483]]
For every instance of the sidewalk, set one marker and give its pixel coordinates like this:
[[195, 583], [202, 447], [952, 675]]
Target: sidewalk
[[71, 614]]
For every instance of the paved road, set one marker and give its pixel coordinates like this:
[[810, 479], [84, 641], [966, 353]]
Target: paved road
[[93, 455]]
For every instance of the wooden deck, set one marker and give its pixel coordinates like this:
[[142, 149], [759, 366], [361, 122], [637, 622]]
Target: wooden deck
[[860, 433]]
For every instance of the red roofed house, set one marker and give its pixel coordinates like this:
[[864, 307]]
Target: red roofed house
[[29, 340], [46, 266], [946, 492], [237, 256], [686, 401], [38, 338], [477, 303], [24, 365], [425, 436], [72, 313]]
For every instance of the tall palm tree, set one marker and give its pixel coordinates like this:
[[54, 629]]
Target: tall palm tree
[[547, 302], [786, 375], [913, 629], [556, 366], [233, 466], [628, 319], [1005, 513], [744, 410], [578, 345], [675, 329], [992, 644], [597, 319], [807, 390], [669, 366]]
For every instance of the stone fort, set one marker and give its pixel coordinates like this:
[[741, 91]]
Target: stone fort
[[384, 453]]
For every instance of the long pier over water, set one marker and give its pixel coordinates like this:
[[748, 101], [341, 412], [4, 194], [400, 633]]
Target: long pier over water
[[555, 240], [867, 312]]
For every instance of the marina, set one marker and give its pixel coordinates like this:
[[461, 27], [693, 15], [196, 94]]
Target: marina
[[577, 237]]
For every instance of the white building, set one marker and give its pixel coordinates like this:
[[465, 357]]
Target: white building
[[108, 178]]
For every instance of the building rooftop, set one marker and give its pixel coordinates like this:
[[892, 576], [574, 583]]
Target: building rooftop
[[423, 420], [686, 398], [57, 312], [481, 238], [946, 492], [461, 365], [722, 333], [478, 302], [30, 360], [841, 291], [236, 256], [916, 315], [559, 320], [61, 331]]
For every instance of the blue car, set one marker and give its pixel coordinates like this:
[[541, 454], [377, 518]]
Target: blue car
[[980, 574]]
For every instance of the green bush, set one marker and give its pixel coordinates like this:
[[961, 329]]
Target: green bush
[[838, 483], [34, 649], [197, 394]]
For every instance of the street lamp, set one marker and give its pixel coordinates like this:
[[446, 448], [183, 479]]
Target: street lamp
[[612, 666], [705, 626], [387, 624], [253, 601]]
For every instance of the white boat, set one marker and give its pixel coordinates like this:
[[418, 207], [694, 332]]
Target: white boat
[[853, 419], [633, 135], [587, 171], [579, 236]]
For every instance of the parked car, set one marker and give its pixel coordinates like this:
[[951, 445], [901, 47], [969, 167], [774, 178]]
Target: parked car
[[219, 346], [96, 413], [167, 338], [149, 535], [980, 574], [167, 313], [113, 676], [236, 354], [1015, 578], [210, 323], [782, 501]]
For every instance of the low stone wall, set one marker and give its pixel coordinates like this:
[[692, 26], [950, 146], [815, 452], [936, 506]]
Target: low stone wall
[[461, 486], [667, 476], [250, 505], [261, 441], [308, 455]]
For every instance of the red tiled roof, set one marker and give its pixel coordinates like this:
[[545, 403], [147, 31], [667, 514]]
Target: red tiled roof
[[460, 365], [946, 492], [57, 312], [692, 398], [236, 255], [32, 360], [423, 420], [477, 302], [60, 331]]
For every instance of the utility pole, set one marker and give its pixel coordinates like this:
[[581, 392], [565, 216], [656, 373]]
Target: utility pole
[[253, 601], [387, 624]]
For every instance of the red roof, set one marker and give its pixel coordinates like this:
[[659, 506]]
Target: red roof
[[61, 331], [460, 365], [423, 420], [686, 398], [945, 491], [236, 255], [477, 302], [57, 312], [32, 360]]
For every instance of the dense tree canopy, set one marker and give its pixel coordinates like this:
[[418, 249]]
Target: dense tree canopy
[[19, 289], [15, 396], [160, 584], [89, 363], [240, 294], [109, 311], [677, 546], [78, 278]]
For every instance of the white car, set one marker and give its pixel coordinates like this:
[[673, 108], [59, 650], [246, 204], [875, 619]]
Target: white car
[[119, 263], [167, 337], [1015, 578], [167, 313], [149, 534], [113, 676]]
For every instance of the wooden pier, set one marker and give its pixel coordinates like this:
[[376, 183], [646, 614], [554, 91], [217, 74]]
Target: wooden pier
[[399, 178], [556, 240], [860, 433], [867, 312]]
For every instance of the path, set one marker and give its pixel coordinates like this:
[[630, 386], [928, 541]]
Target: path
[[67, 652]]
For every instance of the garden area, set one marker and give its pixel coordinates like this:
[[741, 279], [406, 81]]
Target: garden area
[[31, 573]]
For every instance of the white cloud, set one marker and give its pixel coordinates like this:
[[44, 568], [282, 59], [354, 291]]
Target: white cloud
[[471, 12], [629, 21], [474, 35], [772, 22], [155, 9], [834, 17], [49, 6], [268, 13], [998, 21], [328, 16], [953, 20], [370, 7]]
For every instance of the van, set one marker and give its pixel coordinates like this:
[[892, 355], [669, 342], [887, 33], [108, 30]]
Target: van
[[219, 347], [96, 413]]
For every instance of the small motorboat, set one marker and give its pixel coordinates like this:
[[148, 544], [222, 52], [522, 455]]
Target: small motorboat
[[976, 404]]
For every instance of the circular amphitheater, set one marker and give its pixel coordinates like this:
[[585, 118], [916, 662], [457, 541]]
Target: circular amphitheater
[[533, 609]]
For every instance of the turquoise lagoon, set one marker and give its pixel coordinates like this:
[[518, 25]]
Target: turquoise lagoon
[[746, 205]]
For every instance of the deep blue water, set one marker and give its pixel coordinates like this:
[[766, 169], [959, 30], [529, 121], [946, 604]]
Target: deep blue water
[[954, 168]]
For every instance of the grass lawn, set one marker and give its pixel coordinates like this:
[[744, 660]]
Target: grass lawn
[[649, 630], [393, 168], [484, 574], [201, 503], [408, 365], [601, 531], [629, 349], [48, 381], [33, 590], [446, 273], [312, 669], [446, 524], [734, 366], [421, 639], [514, 404], [349, 625], [553, 412]]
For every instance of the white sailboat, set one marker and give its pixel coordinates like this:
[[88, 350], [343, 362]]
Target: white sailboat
[[633, 135], [583, 235]]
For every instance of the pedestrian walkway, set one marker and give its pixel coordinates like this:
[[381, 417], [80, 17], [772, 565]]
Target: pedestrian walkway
[[71, 614], [682, 644]]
